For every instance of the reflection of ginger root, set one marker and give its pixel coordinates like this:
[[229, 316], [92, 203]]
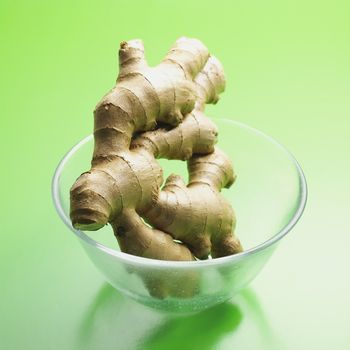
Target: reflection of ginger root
[[164, 283], [158, 113]]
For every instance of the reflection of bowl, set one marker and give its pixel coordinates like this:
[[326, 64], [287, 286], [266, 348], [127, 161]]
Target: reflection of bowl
[[269, 196]]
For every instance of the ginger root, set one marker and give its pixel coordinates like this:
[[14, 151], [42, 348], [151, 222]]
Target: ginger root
[[158, 112]]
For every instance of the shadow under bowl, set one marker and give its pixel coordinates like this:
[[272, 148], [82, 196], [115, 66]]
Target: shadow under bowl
[[268, 196]]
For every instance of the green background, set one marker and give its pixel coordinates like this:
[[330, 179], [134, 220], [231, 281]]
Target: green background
[[288, 72]]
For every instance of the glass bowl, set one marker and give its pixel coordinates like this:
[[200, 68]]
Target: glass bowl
[[268, 197]]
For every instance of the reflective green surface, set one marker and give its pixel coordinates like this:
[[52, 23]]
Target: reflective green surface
[[288, 71]]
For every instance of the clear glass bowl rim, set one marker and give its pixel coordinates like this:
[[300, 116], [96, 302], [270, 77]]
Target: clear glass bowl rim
[[128, 258]]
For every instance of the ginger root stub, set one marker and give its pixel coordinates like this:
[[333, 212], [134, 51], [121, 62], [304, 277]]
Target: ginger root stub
[[158, 112]]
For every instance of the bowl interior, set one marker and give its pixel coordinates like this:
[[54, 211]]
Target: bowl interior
[[268, 192]]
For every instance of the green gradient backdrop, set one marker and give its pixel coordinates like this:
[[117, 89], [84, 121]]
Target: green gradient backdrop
[[288, 72]]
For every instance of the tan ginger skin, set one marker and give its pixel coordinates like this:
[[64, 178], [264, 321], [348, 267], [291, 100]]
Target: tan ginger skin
[[158, 112]]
